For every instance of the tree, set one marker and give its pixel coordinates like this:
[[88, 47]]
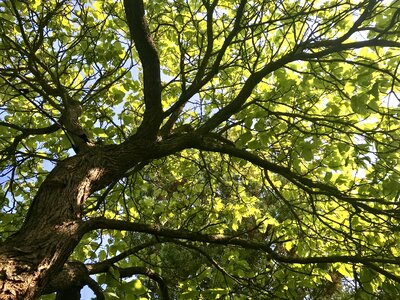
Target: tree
[[200, 149]]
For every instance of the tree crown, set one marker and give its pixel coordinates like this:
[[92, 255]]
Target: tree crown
[[243, 148]]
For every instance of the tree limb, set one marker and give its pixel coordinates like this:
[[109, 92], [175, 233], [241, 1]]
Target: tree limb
[[140, 33], [103, 223], [128, 272], [96, 288]]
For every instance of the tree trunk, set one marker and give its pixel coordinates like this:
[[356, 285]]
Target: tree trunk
[[73, 293], [51, 231], [53, 225], [49, 234]]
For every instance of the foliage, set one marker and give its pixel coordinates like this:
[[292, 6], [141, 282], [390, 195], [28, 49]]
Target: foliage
[[297, 196]]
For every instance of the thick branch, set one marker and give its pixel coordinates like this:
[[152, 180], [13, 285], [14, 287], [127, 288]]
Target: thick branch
[[70, 121], [73, 274], [128, 272], [236, 105], [140, 33], [96, 288], [71, 279], [299, 180], [103, 223]]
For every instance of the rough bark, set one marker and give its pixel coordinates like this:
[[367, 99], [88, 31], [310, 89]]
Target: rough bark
[[33, 260], [52, 229], [38, 251], [53, 225]]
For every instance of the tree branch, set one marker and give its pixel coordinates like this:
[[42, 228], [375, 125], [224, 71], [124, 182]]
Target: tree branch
[[96, 288], [128, 272], [103, 266], [32, 131], [298, 54], [251, 82], [73, 274], [140, 33], [103, 223], [382, 271], [207, 256], [299, 180], [200, 80], [365, 15]]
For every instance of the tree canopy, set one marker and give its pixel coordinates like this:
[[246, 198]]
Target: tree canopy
[[213, 149]]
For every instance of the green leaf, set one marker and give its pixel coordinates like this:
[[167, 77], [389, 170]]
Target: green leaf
[[359, 104], [374, 91], [245, 138], [292, 154]]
